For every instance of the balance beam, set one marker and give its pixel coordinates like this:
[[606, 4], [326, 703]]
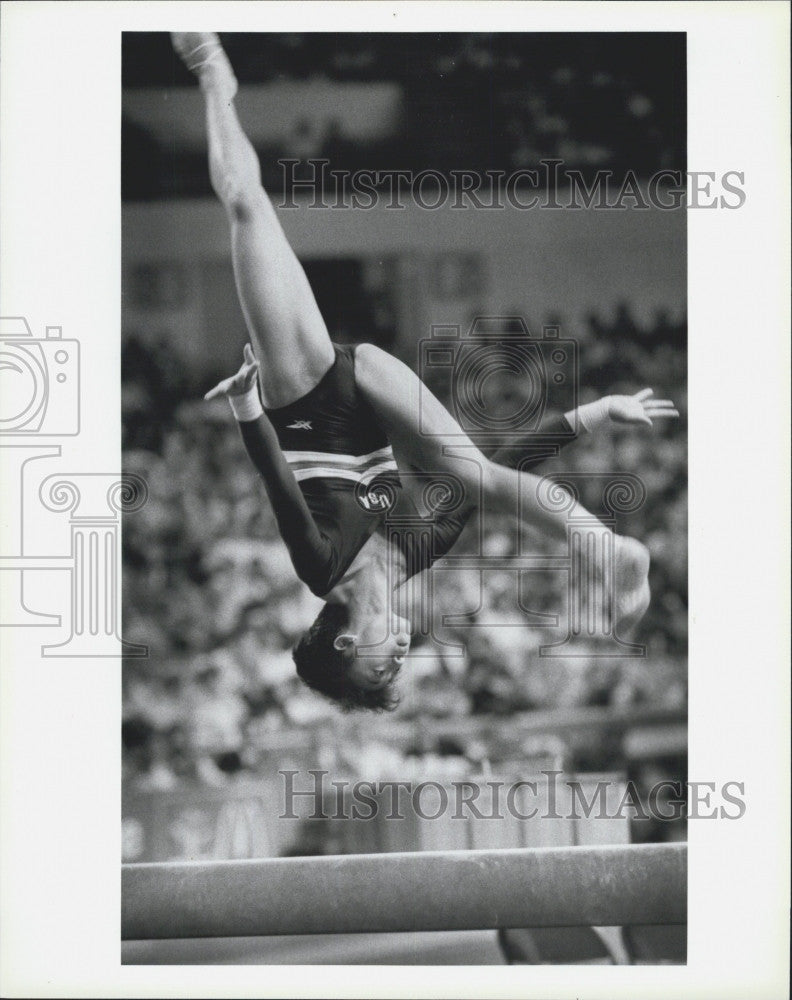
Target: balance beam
[[421, 891]]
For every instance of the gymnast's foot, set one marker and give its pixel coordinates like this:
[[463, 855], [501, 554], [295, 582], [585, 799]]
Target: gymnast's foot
[[202, 53]]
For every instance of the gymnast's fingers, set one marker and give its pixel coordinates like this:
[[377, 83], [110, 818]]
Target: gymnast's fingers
[[218, 390]]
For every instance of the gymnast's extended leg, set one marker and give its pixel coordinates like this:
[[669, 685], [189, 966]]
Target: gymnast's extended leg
[[406, 408], [290, 337]]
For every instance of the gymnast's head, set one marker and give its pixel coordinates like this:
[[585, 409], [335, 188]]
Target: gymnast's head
[[353, 669]]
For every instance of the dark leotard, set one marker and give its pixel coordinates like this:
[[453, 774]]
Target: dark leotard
[[332, 479]]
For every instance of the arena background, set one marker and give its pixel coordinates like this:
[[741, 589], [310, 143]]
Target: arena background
[[216, 710]]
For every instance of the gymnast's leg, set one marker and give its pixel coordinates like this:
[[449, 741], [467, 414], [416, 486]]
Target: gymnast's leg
[[289, 335], [426, 437], [407, 409]]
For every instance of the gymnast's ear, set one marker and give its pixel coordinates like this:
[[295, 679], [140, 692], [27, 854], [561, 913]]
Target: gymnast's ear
[[345, 640]]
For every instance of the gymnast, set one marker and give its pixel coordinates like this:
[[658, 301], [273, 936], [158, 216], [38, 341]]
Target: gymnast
[[335, 433]]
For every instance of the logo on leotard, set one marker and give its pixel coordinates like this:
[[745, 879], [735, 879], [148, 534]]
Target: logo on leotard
[[376, 497], [300, 425]]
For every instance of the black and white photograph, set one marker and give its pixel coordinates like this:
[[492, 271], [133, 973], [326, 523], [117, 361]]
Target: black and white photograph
[[404, 368], [376, 520]]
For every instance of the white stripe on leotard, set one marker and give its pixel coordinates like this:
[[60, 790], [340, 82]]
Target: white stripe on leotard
[[331, 458], [319, 471], [330, 465]]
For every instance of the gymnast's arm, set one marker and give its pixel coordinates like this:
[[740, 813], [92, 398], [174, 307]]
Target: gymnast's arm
[[557, 432], [311, 552], [534, 447]]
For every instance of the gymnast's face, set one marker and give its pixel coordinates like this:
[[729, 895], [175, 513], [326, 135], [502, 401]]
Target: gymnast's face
[[373, 664]]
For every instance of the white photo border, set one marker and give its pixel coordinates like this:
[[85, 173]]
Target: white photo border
[[60, 239]]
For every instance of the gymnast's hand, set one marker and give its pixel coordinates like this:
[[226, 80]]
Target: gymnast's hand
[[241, 383], [641, 408], [638, 409]]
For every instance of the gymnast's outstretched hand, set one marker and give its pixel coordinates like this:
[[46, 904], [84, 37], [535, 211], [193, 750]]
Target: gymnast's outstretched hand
[[242, 382], [641, 408]]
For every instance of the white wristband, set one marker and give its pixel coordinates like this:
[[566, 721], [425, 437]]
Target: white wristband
[[591, 415], [247, 406]]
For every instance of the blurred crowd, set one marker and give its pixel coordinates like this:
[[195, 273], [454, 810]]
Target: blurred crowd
[[470, 101], [209, 587], [486, 101]]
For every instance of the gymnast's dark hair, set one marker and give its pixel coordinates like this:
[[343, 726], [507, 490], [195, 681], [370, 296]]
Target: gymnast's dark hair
[[325, 669]]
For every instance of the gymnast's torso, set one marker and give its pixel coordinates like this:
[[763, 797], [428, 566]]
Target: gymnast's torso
[[345, 468]]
